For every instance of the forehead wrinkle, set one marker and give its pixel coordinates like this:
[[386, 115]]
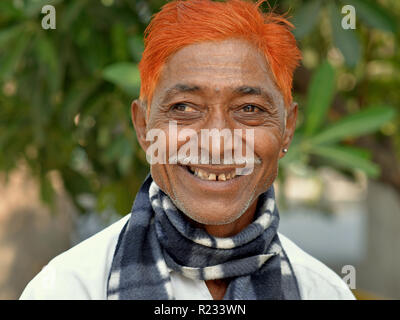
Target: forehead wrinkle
[[230, 59]]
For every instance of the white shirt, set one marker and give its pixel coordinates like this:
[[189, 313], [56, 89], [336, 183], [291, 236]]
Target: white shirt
[[82, 272]]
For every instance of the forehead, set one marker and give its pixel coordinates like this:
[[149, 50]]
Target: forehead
[[218, 66]]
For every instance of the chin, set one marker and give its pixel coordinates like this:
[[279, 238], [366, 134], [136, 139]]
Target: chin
[[212, 215]]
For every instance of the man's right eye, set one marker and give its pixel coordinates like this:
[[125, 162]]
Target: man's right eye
[[183, 108]]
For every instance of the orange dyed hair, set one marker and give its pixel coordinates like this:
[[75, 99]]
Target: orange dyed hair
[[181, 23]]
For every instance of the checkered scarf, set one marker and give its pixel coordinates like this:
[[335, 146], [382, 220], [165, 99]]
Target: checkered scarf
[[158, 238]]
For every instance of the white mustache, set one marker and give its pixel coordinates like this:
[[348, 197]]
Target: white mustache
[[209, 160]]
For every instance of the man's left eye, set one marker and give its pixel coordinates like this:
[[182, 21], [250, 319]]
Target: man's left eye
[[251, 108]]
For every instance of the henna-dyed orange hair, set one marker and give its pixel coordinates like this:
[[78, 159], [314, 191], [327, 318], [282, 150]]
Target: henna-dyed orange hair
[[181, 23]]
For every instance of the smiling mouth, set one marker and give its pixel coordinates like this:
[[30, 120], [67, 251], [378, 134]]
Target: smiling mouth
[[208, 174]]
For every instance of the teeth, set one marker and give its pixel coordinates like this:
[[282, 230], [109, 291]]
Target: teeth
[[202, 174], [212, 176]]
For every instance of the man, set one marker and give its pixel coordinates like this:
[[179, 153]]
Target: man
[[202, 227]]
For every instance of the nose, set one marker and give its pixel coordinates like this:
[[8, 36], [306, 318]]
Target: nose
[[217, 119], [217, 136]]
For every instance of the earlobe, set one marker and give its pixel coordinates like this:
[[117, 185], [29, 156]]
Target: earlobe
[[138, 115], [290, 122]]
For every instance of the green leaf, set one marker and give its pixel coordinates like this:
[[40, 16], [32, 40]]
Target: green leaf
[[9, 64], [75, 99], [32, 8], [125, 75], [119, 42], [95, 60], [319, 98], [48, 57], [75, 182], [374, 15], [114, 196], [120, 148], [349, 158], [71, 14], [136, 47], [345, 40], [9, 34], [305, 18], [8, 9], [363, 122]]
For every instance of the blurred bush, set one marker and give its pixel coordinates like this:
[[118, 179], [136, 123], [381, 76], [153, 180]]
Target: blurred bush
[[65, 93], [346, 87], [58, 111]]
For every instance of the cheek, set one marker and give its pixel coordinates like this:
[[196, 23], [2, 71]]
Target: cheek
[[267, 147], [160, 150], [267, 144], [164, 174], [159, 175]]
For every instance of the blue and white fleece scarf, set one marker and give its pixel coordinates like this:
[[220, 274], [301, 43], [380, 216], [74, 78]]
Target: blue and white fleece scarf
[[158, 237]]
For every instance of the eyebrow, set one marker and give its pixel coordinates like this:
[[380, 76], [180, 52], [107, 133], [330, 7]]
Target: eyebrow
[[257, 91], [180, 88]]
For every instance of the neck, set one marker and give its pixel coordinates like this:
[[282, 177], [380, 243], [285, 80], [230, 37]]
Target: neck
[[233, 228], [217, 288]]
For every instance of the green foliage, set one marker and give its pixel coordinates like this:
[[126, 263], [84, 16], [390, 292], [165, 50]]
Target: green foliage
[[125, 75], [319, 98], [337, 55], [58, 111], [347, 157], [65, 94], [366, 121], [323, 140], [306, 18], [345, 40], [374, 15]]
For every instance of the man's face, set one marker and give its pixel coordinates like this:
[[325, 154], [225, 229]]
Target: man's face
[[219, 85]]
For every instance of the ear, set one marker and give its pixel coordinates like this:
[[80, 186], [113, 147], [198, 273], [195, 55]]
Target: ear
[[291, 118], [138, 114]]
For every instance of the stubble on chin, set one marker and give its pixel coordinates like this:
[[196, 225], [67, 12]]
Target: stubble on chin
[[198, 220]]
